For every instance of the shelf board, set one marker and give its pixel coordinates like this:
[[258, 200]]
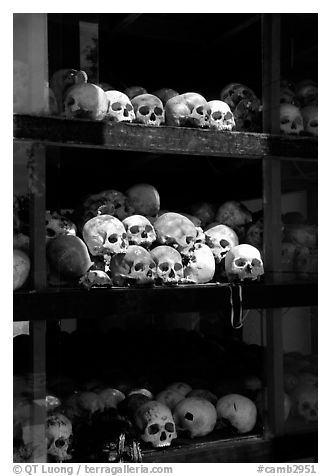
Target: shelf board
[[57, 131], [69, 303]]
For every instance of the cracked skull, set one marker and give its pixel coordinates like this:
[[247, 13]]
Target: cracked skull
[[155, 422], [136, 266], [169, 266], [243, 262], [148, 109], [105, 235], [59, 437]]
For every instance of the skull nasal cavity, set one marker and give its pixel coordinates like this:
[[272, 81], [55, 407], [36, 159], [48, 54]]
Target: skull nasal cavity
[[163, 436], [188, 416], [224, 243]]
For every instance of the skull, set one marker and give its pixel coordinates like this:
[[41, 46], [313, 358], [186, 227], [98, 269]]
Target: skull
[[196, 416], [57, 224], [169, 266], [233, 93], [144, 199], [238, 411], [95, 278], [180, 387], [220, 239], [307, 92], [86, 100], [105, 235], [148, 109], [244, 104], [204, 211], [221, 116], [62, 81], [243, 262], [67, 256], [235, 215], [169, 398], [139, 230], [21, 268], [306, 398], [310, 119], [176, 230], [155, 422], [188, 109], [120, 108], [288, 96], [291, 121], [201, 267], [59, 437], [203, 393], [136, 266]]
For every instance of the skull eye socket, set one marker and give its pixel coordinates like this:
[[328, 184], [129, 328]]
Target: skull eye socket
[[240, 262], [199, 110], [228, 116], [70, 101], [164, 267], [116, 106], [158, 111], [189, 239], [60, 442], [189, 416], [139, 267], [50, 233], [224, 243], [152, 266], [284, 120], [113, 238], [256, 263], [217, 115], [148, 228], [153, 429], [178, 266], [134, 229], [144, 110], [169, 427], [129, 107]]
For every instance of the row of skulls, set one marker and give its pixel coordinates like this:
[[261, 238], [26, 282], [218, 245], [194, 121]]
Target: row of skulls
[[237, 108]]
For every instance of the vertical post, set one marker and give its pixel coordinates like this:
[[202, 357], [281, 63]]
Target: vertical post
[[272, 219]]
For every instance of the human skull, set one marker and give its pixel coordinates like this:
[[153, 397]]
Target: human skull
[[181, 387], [201, 266], [188, 109], [176, 230], [220, 239], [197, 416], [155, 422], [288, 96], [120, 108], [57, 224], [144, 199], [105, 235], [67, 256], [21, 268], [169, 266], [136, 266], [238, 411], [139, 230], [58, 436], [221, 116], [291, 122], [306, 399], [87, 101], [204, 211], [235, 215], [233, 93], [62, 81], [148, 109], [95, 278], [243, 262], [169, 397], [244, 104], [310, 119], [307, 92]]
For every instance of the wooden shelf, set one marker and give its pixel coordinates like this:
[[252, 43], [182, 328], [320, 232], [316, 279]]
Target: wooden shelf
[[57, 131], [64, 303]]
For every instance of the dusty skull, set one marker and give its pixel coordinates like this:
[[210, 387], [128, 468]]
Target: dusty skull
[[197, 416], [306, 399], [176, 230], [105, 235], [57, 224], [169, 266], [291, 121], [235, 215], [148, 109], [144, 199], [120, 108], [188, 109], [59, 437], [220, 239], [237, 410], [139, 230], [136, 266], [243, 262], [221, 116], [155, 422], [310, 119], [87, 101], [170, 398], [201, 266]]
